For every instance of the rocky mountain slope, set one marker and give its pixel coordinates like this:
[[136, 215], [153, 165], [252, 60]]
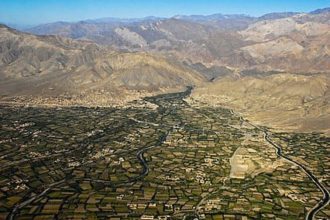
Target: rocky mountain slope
[[284, 101], [300, 43], [183, 39], [273, 69], [295, 42], [50, 66]]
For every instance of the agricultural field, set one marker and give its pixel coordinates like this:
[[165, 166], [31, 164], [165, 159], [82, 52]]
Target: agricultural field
[[159, 158]]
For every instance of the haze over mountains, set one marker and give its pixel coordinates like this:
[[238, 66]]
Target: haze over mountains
[[237, 41], [55, 66], [235, 60]]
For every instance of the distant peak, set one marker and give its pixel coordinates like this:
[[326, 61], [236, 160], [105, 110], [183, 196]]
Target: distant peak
[[320, 11]]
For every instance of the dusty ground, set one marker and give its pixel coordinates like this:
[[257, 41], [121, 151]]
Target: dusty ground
[[283, 101]]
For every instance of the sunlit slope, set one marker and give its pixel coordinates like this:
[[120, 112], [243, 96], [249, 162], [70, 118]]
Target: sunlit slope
[[286, 101], [56, 66]]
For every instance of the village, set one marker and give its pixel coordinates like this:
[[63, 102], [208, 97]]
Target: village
[[171, 161]]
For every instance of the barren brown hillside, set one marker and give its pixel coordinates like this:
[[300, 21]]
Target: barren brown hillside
[[283, 101], [48, 67]]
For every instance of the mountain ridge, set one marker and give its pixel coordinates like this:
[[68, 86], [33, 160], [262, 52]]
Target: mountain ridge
[[219, 40], [51, 66], [274, 71]]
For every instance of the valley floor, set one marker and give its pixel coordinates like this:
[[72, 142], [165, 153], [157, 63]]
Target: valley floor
[[160, 158]]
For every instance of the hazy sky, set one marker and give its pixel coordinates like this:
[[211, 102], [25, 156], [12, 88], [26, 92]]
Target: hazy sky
[[45, 11]]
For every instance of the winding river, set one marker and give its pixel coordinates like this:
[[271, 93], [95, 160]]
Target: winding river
[[166, 108]]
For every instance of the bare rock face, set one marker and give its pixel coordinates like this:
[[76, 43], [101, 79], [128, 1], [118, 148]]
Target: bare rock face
[[131, 37], [295, 42], [49, 66], [298, 44]]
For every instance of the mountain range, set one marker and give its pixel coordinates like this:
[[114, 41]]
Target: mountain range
[[273, 69], [295, 42], [52, 66]]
